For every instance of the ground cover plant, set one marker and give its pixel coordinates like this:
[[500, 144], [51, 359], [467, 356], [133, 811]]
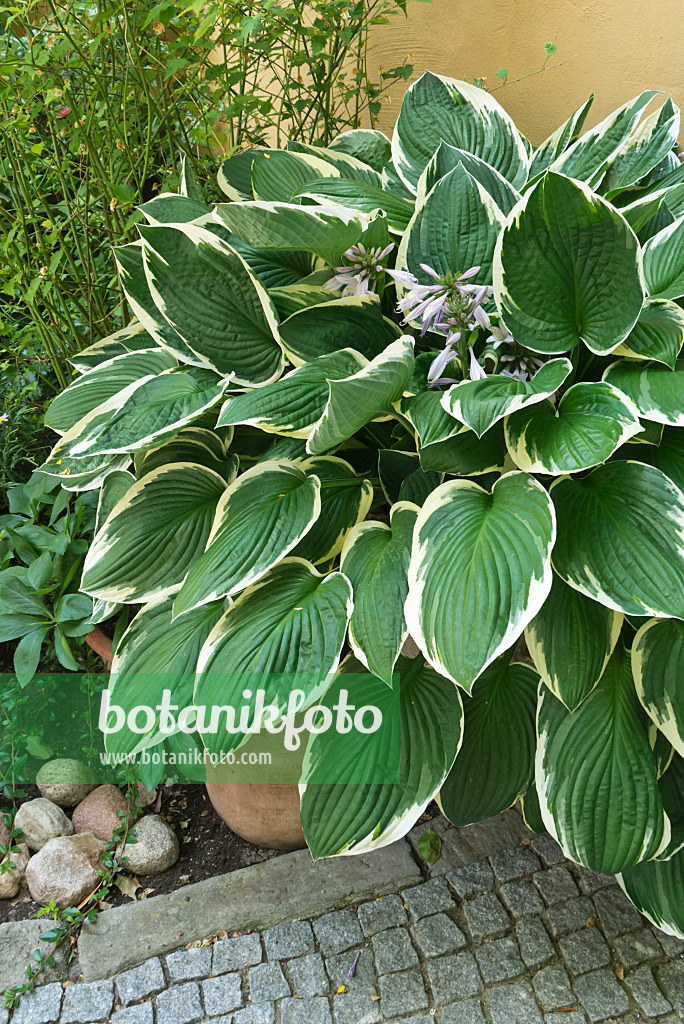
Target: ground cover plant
[[432, 388]]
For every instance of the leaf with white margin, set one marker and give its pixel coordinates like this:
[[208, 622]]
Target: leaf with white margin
[[345, 500], [454, 229], [590, 156], [448, 157], [571, 639], [466, 454], [621, 538], [658, 667], [149, 410], [656, 888], [284, 633], [480, 403], [355, 322], [480, 570], [213, 299], [235, 175], [421, 740], [436, 109], [658, 333], [366, 395], [156, 653], [192, 444], [359, 195], [668, 456], [591, 421], [294, 404], [81, 473], [327, 231], [132, 338], [556, 144], [596, 775], [277, 175], [495, 765], [259, 520], [664, 262], [671, 786], [104, 381], [375, 559], [366, 144], [567, 268], [656, 390], [114, 488], [349, 167], [428, 417], [153, 534], [646, 147]]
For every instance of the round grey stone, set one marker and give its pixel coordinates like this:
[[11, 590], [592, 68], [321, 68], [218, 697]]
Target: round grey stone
[[156, 848], [66, 782], [42, 820]]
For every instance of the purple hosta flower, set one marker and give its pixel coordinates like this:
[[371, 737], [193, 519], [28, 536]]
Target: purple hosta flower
[[361, 273], [448, 304], [476, 371], [516, 361]]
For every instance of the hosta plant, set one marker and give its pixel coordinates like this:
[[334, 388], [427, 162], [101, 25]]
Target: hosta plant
[[430, 389]]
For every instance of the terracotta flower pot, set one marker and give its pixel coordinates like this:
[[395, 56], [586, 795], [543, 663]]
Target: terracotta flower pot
[[102, 645]]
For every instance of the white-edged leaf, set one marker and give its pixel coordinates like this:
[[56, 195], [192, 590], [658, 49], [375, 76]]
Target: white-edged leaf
[[658, 667], [355, 322], [345, 500], [664, 262], [658, 333], [656, 390], [557, 143]]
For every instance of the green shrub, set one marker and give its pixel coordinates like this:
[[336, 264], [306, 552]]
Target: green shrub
[[286, 463]]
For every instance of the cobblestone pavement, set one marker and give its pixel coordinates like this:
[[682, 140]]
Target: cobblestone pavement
[[523, 937]]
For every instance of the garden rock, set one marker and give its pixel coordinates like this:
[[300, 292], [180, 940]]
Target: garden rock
[[65, 870], [11, 881], [4, 831], [66, 782], [42, 820], [97, 814], [156, 849]]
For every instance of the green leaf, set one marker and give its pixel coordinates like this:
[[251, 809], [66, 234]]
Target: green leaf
[[658, 667], [656, 390], [348, 166], [592, 420], [215, 302], [326, 231], [646, 147], [454, 229], [620, 538], [556, 144], [466, 454], [430, 847], [664, 262], [284, 632], [366, 395], [153, 535], [375, 559], [464, 535], [436, 109], [358, 195], [278, 175], [658, 333], [22, 600], [448, 157], [292, 405], [27, 655], [668, 457], [129, 339], [71, 607], [671, 786], [156, 653], [596, 775], [481, 403], [571, 639], [345, 500], [567, 269], [426, 414], [40, 571], [355, 322], [170, 208], [259, 520], [366, 144], [656, 888], [357, 818], [495, 765], [113, 489], [193, 444], [235, 176]]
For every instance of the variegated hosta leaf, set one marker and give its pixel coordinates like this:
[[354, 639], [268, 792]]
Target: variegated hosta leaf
[[362, 196], [668, 457], [366, 395], [658, 333], [557, 143], [274, 268], [567, 269], [114, 488], [596, 775], [327, 231], [656, 390], [671, 786], [193, 444], [348, 166], [155, 654], [658, 667], [153, 535], [366, 144], [132, 338], [649, 143], [495, 765], [620, 538], [235, 175], [76, 474], [428, 417], [590, 156], [215, 302], [591, 421], [259, 520], [420, 739], [293, 404], [95, 386], [345, 500], [448, 157], [571, 639], [353, 322], [480, 403], [436, 109], [283, 633], [311, 291], [531, 811], [466, 454], [480, 570], [455, 228], [375, 559], [171, 208], [277, 174], [664, 262], [656, 888], [146, 412]]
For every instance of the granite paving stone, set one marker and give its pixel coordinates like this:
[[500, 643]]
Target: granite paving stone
[[513, 1004], [308, 976], [472, 879], [453, 978], [180, 1004], [338, 931], [635, 948], [255, 1013], [570, 916], [513, 864], [552, 987], [556, 885], [401, 994], [672, 946], [142, 1013], [438, 935], [267, 982], [305, 1011], [591, 881], [585, 950], [289, 940], [671, 978], [41, 1006], [548, 850], [356, 1008], [536, 947], [486, 917], [616, 912], [521, 898], [223, 994], [429, 898], [189, 964], [467, 1012], [393, 951], [644, 991], [141, 982], [364, 978], [88, 1003], [565, 1018], [235, 954], [601, 995], [499, 960], [387, 912]]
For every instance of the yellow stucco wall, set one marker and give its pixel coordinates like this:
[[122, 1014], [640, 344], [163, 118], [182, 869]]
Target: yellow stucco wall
[[622, 47]]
